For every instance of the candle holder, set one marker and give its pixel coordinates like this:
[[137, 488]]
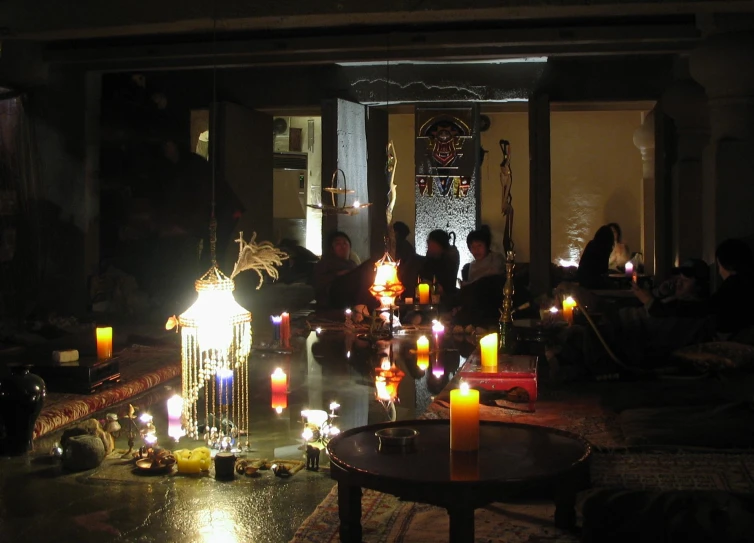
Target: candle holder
[[508, 334]]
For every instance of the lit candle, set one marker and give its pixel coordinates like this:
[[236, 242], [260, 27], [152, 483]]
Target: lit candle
[[489, 345], [422, 361], [279, 383], [285, 330], [175, 408], [104, 343], [276, 320], [568, 305], [437, 330], [424, 293], [629, 269], [464, 419], [175, 431], [438, 370], [225, 386], [422, 346], [349, 315]]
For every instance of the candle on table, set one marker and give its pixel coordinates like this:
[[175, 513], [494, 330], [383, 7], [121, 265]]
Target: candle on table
[[276, 320], [438, 370], [629, 269], [285, 330], [422, 346], [104, 342], [175, 407], [279, 384], [175, 431], [489, 346], [424, 293], [349, 314], [438, 330], [568, 305], [464, 419]]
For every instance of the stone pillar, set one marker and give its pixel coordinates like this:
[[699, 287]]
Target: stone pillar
[[644, 139], [722, 65], [686, 103]]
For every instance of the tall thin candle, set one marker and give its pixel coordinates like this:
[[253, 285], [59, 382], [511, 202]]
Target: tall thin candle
[[285, 331]]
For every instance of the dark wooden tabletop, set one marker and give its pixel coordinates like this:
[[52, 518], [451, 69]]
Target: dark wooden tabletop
[[509, 453]]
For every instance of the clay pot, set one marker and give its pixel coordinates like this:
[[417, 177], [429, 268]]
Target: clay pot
[[21, 397]]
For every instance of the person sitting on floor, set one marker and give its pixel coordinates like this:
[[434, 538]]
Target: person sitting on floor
[[481, 293], [338, 281], [595, 259], [439, 265], [619, 255], [730, 306]]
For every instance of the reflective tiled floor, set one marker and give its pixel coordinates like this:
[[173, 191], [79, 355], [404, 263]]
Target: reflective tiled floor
[[40, 502]]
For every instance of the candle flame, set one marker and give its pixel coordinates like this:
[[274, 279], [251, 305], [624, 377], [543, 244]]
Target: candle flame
[[278, 373], [464, 387], [356, 204], [278, 410], [553, 310], [570, 301]]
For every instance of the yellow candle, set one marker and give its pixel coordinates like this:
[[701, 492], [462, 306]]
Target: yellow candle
[[423, 293], [464, 419], [422, 361], [104, 343], [488, 345], [568, 305], [422, 346]]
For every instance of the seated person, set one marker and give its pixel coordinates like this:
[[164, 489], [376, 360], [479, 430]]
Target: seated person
[[619, 255], [595, 259], [676, 286], [300, 264], [338, 281], [486, 262], [405, 253], [439, 264], [729, 307], [481, 294]]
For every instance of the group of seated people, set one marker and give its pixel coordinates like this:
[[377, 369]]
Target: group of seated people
[[680, 311], [603, 253], [341, 280]]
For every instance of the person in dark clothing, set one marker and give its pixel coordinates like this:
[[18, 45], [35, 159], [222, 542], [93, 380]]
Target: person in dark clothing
[[439, 263], [595, 259], [404, 251], [730, 306], [338, 281]]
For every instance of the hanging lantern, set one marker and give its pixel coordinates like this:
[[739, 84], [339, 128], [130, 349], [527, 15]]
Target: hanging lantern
[[335, 191], [386, 287], [216, 340]]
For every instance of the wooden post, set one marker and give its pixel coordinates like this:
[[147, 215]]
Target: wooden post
[[540, 235]]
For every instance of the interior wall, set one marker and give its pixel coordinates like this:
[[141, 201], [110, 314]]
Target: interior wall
[[596, 179], [513, 127]]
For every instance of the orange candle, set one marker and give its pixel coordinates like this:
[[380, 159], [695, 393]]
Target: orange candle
[[464, 419], [422, 361], [568, 305], [423, 293], [285, 330], [104, 343], [464, 466], [422, 346], [489, 345]]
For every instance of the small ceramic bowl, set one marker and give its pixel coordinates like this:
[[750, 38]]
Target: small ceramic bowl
[[396, 439]]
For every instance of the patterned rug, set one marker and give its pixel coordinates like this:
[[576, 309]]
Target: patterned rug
[[386, 519], [141, 368]]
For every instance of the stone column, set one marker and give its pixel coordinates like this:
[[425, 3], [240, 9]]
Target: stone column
[[686, 103], [644, 139], [722, 65]]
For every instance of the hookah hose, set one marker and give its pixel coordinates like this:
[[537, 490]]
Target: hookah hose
[[639, 371]]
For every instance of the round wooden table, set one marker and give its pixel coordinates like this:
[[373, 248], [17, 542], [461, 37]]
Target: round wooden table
[[513, 459]]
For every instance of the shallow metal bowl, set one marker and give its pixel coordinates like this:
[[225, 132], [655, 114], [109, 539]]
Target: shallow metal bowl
[[396, 438]]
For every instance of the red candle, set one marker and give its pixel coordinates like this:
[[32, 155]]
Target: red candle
[[279, 383], [285, 331]]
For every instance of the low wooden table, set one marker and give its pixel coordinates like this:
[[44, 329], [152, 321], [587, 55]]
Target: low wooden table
[[512, 458]]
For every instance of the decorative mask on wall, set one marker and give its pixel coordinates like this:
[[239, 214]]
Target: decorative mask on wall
[[445, 136]]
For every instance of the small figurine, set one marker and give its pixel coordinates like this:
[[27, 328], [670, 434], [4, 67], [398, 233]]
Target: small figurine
[[312, 458]]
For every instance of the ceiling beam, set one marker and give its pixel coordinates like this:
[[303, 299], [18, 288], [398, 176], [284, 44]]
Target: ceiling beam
[[439, 45]]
